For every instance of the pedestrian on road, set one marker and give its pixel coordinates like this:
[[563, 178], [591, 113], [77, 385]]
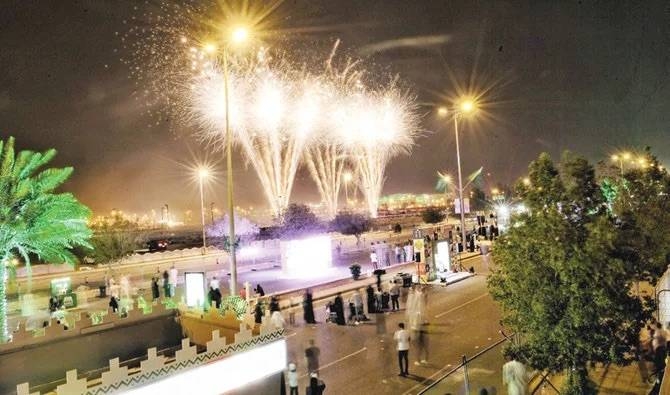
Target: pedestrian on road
[[312, 354], [395, 296], [308, 307], [154, 289], [166, 284], [316, 386], [401, 336], [380, 325], [515, 376], [371, 299], [422, 342], [339, 309], [292, 379], [114, 304], [398, 254]]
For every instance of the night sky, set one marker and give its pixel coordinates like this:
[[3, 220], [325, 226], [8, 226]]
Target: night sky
[[586, 76]]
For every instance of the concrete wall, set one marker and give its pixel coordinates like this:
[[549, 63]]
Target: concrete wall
[[48, 361]]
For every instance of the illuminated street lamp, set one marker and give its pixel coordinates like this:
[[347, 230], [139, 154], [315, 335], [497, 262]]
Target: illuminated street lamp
[[465, 108], [620, 158], [203, 174], [237, 36]]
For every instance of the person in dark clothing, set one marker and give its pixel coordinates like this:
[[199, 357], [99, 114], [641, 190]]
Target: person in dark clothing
[[316, 386], [166, 284], [217, 297], [155, 292], [339, 309], [210, 298], [308, 307], [258, 313], [114, 304], [259, 290], [274, 304], [371, 299]]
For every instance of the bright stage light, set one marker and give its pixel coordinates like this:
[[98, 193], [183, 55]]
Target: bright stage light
[[306, 257], [223, 375]]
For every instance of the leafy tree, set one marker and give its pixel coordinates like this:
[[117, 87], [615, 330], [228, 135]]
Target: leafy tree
[[351, 224], [34, 219], [560, 281], [111, 244], [219, 231], [642, 206], [299, 221], [433, 215]]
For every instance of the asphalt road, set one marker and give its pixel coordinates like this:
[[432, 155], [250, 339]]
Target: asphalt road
[[356, 360]]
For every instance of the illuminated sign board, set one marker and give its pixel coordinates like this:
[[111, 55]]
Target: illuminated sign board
[[195, 288]]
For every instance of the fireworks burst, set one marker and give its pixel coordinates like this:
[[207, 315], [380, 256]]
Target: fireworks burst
[[326, 156], [376, 126], [281, 111]]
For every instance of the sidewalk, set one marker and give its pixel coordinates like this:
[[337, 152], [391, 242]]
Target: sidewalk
[[290, 290]]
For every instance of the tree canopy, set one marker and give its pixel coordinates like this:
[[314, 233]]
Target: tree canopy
[[433, 215], [350, 224], [299, 221], [35, 221], [560, 280]]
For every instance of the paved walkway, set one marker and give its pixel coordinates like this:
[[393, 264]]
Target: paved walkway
[[337, 279]]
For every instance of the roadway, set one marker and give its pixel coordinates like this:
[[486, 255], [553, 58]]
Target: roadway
[[356, 360]]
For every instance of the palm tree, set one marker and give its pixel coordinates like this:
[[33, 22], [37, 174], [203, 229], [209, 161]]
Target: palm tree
[[34, 220]]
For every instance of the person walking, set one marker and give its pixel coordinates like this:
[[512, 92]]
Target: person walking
[[395, 296], [316, 386], [214, 283], [515, 377], [387, 254], [312, 354], [292, 379], [422, 342], [398, 254], [308, 307], [155, 293], [402, 338]]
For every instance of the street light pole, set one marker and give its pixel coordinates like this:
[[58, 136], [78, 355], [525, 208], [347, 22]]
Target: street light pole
[[460, 181], [201, 177], [229, 177]]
